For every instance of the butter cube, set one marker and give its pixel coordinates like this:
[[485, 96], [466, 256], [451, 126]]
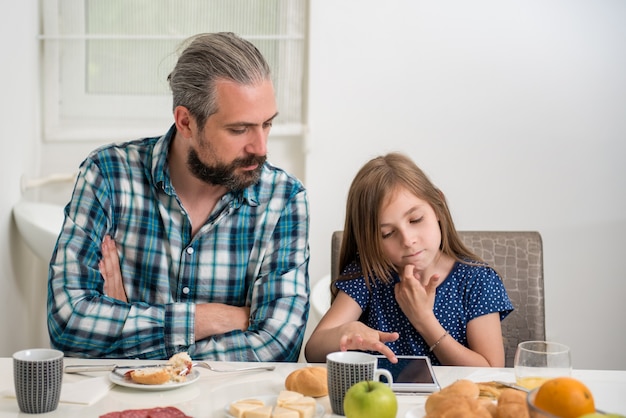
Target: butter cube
[[280, 412], [260, 412], [238, 408], [303, 410], [286, 396]]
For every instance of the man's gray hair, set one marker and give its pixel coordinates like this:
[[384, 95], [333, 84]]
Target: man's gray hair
[[209, 57]]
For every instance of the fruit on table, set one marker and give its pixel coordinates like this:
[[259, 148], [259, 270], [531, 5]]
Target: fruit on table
[[370, 399], [565, 397]]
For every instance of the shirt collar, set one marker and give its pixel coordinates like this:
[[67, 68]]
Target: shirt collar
[[160, 170]]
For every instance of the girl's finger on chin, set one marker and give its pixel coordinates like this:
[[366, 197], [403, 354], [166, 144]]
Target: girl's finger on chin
[[407, 271], [432, 282]]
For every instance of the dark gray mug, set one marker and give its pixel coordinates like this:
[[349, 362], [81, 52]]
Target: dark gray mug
[[345, 368], [38, 375]]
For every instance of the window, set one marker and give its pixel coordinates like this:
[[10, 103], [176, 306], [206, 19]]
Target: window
[[105, 62]]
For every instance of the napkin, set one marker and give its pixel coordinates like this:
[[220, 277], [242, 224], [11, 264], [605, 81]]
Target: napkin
[[83, 392], [87, 391]]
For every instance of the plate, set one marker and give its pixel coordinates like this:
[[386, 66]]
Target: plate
[[416, 412], [122, 381], [271, 400]]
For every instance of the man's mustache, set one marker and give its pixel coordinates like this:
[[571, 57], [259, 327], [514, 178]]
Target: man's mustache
[[250, 160]]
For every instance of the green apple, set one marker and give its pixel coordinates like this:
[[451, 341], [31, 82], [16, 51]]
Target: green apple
[[370, 399], [599, 415]]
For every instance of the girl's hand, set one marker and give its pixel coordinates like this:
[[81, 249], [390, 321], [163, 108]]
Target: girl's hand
[[111, 272], [416, 295], [358, 336], [340, 329]]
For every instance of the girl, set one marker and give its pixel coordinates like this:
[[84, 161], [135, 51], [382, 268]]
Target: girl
[[408, 285]]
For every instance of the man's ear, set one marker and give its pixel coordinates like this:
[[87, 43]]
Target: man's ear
[[185, 123]]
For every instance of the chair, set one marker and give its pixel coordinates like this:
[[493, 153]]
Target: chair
[[518, 257]]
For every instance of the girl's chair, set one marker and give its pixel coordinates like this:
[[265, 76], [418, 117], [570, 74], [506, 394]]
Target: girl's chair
[[518, 257]]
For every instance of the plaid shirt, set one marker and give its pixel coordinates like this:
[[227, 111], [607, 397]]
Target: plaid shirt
[[252, 251]]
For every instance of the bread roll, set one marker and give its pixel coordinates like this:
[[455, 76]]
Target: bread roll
[[459, 389], [172, 371], [179, 366], [456, 406], [460, 399], [150, 376], [309, 381], [512, 404], [462, 387]]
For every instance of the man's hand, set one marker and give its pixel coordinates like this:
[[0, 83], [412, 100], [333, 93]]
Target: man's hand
[[111, 272], [218, 318], [211, 318]]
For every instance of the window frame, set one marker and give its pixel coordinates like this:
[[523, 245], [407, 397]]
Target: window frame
[[153, 113]]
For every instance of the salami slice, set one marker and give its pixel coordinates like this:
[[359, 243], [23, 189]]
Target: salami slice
[[158, 412]]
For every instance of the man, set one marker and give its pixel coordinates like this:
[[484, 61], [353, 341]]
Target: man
[[212, 240]]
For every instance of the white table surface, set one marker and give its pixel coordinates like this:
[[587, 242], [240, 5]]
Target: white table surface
[[208, 396]]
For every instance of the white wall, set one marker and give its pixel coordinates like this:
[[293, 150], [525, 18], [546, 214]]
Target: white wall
[[22, 288], [515, 109]]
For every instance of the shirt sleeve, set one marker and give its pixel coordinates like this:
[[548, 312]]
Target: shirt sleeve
[[82, 321], [488, 295], [355, 288]]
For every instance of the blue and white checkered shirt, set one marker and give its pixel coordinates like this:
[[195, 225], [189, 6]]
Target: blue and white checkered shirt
[[252, 251]]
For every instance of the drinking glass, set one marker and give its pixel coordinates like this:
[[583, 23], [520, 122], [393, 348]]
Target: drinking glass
[[538, 361]]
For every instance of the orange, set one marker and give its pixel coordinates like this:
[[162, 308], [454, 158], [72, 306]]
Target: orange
[[565, 397]]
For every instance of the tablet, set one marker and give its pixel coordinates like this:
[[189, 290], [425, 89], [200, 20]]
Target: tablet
[[411, 374]]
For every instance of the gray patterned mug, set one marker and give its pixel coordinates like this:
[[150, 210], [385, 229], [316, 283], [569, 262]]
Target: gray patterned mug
[[345, 368], [37, 375]]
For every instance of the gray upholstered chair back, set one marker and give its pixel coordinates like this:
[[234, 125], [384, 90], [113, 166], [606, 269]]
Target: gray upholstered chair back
[[518, 257]]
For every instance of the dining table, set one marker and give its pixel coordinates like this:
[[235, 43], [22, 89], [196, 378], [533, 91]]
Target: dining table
[[209, 393]]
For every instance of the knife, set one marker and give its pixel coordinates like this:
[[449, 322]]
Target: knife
[[513, 386], [85, 368]]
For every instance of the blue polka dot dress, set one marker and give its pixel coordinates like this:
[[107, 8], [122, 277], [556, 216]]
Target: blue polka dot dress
[[468, 292]]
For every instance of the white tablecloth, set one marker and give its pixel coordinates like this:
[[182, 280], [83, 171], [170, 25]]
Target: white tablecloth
[[208, 396]]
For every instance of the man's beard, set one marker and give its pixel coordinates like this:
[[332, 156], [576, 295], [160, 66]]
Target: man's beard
[[226, 174]]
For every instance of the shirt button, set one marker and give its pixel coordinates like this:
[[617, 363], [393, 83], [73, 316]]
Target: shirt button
[[190, 250], [186, 290]]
